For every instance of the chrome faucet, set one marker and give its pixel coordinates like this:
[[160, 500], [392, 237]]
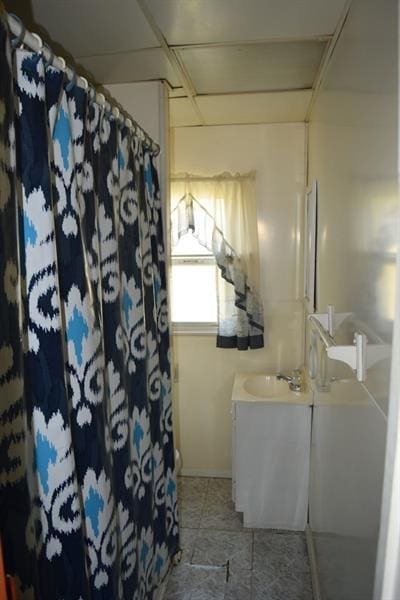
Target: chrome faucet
[[294, 380]]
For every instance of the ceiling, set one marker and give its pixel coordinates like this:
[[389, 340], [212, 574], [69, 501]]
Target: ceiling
[[225, 61]]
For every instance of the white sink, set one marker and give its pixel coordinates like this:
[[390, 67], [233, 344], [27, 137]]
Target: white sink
[[265, 386], [259, 387]]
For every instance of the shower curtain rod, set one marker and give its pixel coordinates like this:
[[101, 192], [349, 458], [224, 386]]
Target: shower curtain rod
[[35, 43]]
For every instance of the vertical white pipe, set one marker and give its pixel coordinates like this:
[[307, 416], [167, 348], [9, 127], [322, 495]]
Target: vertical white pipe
[[331, 320]]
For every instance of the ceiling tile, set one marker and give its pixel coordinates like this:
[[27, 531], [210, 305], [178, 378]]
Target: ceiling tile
[[182, 113], [253, 67], [141, 65], [94, 26], [202, 21], [273, 107]]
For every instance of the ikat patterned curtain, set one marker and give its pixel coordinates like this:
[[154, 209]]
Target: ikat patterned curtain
[[88, 506]]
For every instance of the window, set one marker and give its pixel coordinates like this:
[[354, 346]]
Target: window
[[215, 219], [193, 283]]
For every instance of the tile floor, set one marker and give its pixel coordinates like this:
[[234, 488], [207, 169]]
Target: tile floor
[[263, 564]]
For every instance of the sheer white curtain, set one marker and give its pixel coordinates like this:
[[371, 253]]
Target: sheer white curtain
[[221, 212]]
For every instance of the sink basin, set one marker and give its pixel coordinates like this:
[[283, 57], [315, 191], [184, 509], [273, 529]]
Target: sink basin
[[265, 386], [258, 387]]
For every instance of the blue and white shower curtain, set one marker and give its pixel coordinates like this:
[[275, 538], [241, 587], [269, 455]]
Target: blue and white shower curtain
[[88, 506]]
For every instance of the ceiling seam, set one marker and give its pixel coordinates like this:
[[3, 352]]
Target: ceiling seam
[[184, 71], [249, 123], [116, 52], [252, 92], [173, 60], [176, 47], [319, 38], [325, 62], [130, 81]]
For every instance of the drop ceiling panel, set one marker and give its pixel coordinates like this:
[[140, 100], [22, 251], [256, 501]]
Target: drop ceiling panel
[[92, 27], [202, 21], [182, 113], [274, 107], [253, 67], [141, 65]]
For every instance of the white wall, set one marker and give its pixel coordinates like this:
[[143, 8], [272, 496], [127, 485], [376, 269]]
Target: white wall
[[142, 102], [353, 155], [147, 103], [203, 391]]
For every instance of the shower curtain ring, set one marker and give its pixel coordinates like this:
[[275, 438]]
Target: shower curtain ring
[[85, 82], [72, 82], [19, 39], [63, 63], [48, 62], [39, 41]]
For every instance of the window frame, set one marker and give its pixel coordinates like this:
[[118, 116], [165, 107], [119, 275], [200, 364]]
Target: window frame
[[193, 327]]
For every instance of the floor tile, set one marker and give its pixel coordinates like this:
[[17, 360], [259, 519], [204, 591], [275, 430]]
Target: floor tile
[[192, 487], [291, 586], [217, 547], [220, 489], [264, 564], [220, 517], [280, 552], [238, 586], [192, 493], [219, 511], [187, 541], [190, 516], [191, 583]]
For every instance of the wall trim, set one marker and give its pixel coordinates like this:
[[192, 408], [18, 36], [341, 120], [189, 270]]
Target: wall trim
[[326, 59], [199, 328], [313, 564], [206, 473]]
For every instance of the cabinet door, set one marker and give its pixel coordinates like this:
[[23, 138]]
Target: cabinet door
[[272, 449]]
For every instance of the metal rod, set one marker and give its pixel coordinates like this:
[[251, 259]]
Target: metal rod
[[35, 43], [326, 338]]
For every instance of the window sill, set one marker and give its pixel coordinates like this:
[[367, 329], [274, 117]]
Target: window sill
[[194, 329]]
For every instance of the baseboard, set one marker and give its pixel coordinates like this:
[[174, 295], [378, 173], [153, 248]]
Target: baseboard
[[313, 564], [206, 473]]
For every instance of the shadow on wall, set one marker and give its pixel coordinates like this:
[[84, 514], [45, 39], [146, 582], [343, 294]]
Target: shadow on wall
[[22, 9]]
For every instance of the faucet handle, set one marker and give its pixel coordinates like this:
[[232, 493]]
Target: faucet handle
[[297, 378]]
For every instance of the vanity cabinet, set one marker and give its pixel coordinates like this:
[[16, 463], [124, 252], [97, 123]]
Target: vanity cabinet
[[270, 461]]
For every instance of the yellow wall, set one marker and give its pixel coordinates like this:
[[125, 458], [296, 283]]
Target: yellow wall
[[353, 153], [205, 374]]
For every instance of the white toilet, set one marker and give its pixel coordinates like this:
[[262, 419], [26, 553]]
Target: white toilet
[[178, 461]]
